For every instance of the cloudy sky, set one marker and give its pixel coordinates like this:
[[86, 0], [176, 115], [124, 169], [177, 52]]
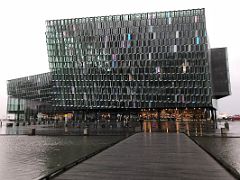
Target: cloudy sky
[[23, 48]]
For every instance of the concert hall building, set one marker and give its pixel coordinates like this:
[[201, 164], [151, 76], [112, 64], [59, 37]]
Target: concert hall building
[[155, 66]]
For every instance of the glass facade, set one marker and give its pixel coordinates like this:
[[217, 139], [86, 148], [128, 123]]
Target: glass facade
[[145, 60], [15, 104], [156, 67], [29, 95], [36, 87]]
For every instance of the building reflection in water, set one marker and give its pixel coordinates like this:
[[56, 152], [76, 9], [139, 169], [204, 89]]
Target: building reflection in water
[[193, 121]]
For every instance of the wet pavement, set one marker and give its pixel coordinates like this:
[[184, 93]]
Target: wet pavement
[[150, 156], [225, 148]]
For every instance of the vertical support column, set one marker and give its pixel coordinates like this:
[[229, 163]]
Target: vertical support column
[[74, 116], [158, 120], [211, 114], [215, 119], [18, 111], [212, 120], [84, 116]]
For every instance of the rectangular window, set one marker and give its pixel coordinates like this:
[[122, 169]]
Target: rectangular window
[[177, 34], [197, 40]]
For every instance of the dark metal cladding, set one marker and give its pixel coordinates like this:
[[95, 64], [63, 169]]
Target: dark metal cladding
[[220, 73]]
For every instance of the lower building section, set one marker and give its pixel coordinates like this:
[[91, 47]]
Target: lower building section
[[22, 110], [188, 127], [188, 120]]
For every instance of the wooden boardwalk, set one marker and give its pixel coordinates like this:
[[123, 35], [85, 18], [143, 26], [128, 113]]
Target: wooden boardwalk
[[150, 156]]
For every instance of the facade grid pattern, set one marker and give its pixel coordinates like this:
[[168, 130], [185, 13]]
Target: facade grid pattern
[[36, 87], [147, 60], [29, 95]]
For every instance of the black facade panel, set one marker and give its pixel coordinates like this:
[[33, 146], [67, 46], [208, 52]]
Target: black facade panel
[[220, 73]]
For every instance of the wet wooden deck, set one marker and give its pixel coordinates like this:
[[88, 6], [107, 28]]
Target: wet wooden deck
[[150, 156]]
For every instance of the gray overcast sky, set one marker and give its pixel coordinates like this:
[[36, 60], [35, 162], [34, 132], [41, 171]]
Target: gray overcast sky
[[23, 48]]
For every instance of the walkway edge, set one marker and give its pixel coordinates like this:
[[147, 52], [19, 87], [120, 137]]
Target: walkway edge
[[61, 170], [225, 165]]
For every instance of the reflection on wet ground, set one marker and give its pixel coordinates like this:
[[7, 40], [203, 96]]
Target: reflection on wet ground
[[226, 148], [29, 157]]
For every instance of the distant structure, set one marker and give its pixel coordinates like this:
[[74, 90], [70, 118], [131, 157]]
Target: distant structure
[[156, 66]]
